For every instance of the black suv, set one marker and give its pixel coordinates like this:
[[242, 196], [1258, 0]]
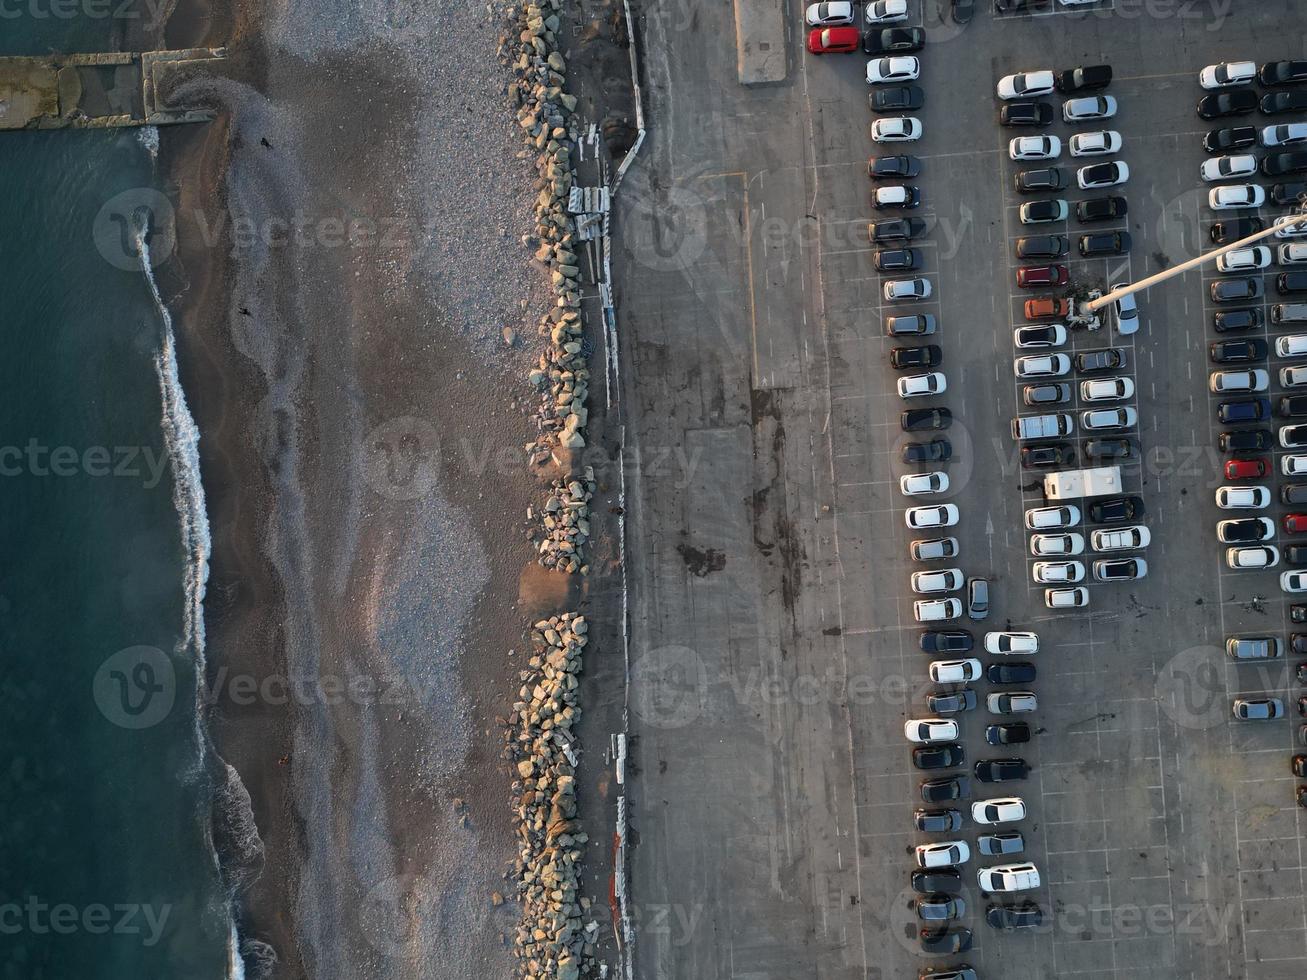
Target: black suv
[[938, 756], [1235, 290], [1282, 72], [945, 788], [1101, 209], [1083, 79], [1282, 164], [945, 703], [1240, 102], [1232, 229], [895, 230], [1245, 441], [1110, 448], [900, 98], [1105, 243], [1278, 102], [1292, 406], [1018, 672], [894, 40], [1043, 247], [937, 821], [888, 168], [1291, 282], [1237, 320], [1225, 140], [946, 641], [1010, 733], [919, 419], [1237, 351], [1043, 457], [1289, 193], [1037, 181], [897, 260], [935, 451], [1116, 510], [1052, 393], [1026, 114], [1027, 915], [1095, 361], [905, 358], [945, 880], [1000, 770]]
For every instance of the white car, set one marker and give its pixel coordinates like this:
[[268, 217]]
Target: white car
[[1292, 253], [890, 71], [1102, 175], [1025, 85], [901, 289], [1022, 340], [1011, 702], [1126, 310], [887, 11], [896, 129], [920, 484], [1253, 556], [1058, 572], [936, 610], [926, 730], [1293, 377], [1046, 545], [1120, 538], [1109, 418], [1243, 498], [829, 14], [1042, 366], [1076, 597], [1238, 382], [1284, 134], [955, 671], [1005, 809], [940, 580], [937, 515], [1226, 74], [1294, 465], [1027, 215], [1292, 436], [1228, 168], [892, 196], [1293, 581], [917, 385], [942, 854], [1231, 196], [1095, 144], [1295, 229], [1107, 389], [1244, 259], [1291, 345], [1035, 148], [1052, 518], [1089, 108], [1008, 878], [1015, 642]]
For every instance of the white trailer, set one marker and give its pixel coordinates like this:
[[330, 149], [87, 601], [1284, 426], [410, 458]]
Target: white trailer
[[1097, 481]]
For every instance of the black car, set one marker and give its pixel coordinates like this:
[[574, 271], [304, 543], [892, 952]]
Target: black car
[[1106, 243], [894, 40], [963, 11], [1001, 845], [1014, 6], [1043, 247], [935, 451], [1237, 103], [888, 168], [945, 941], [1026, 114], [1110, 449], [895, 230], [1043, 457], [1051, 393], [1283, 164], [1027, 915], [1232, 320], [1293, 495], [1243, 531], [963, 971], [1282, 72], [945, 788], [1245, 441], [1290, 193], [1237, 351], [1101, 209], [1000, 770], [1298, 614], [899, 98], [946, 641], [1009, 733], [1116, 510], [1291, 282], [1278, 102], [938, 756], [1038, 181], [937, 821], [1083, 79], [1235, 290], [920, 419], [1097, 361], [1292, 406], [948, 703], [926, 356], [940, 908], [1232, 229], [1238, 410], [946, 880], [1019, 672], [1225, 140], [897, 260]]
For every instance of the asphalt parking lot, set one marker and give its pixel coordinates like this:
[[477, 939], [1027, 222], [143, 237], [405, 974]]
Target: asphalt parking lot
[[770, 683]]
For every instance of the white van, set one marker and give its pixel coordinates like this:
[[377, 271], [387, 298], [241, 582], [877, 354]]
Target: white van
[[1042, 426], [936, 610]]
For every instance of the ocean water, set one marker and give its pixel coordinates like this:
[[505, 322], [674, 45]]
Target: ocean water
[[107, 866]]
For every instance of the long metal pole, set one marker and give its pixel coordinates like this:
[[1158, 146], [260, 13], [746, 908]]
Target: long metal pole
[[1193, 263]]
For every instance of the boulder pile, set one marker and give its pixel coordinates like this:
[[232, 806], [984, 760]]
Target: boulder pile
[[552, 942], [564, 529], [545, 115]]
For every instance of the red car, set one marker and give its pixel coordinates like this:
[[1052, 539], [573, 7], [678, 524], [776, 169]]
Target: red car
[[1047, 308], [1295, 523], [1246, 469], [834, 40], [1036, 276]]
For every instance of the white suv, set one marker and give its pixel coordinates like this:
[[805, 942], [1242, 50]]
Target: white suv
[[1244, 259], [1243, 498], [1052, 518], [1089, 107], [917, 385], [1095, 144], [926, 730], [1014, 642], [1007, 809], [1231, 196], [1106, 389], [942, 854], [1238, 382], [1008, 878], [941, 580], [1057, 572]]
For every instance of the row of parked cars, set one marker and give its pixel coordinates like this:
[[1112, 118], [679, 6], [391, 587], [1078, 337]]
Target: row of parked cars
[[938, 877]]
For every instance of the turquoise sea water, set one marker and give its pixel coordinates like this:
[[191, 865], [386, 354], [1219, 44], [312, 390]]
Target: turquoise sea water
[[106, 865]]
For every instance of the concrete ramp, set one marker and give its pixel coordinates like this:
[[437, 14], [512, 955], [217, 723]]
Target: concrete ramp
[[760, 41]]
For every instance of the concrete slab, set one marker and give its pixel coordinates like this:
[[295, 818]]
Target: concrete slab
[[760, 41]]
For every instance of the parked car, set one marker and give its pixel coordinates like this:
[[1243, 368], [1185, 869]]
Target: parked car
[[1110, 449], [935, 451], [922, 385], [1231, 229], [1086, 78], [1011, 702], [934, 515], [1252, 647], [894, 40], [1236, 103], [886, 11], [1011, 733], [1105, 243], [1025, 84], [829, 14], [898, 290], [834, 40], [1120, 538], [1053, 545], [1027, 915], [907, 358], [1280, 102], [1049, 518], [1245, 441], [1052, 393], [1040, 212], [1101, 209], [1001, 845], [1008, 878], [895, 230], [946, 703], [1116, 510], [1034, 148], [1041, 366], [893, 167], [1282, 73], [918, 325], [1026, 114], [929, 757], [945, 881], [892, 70], [1040, 335], [937, 821], [1258, 709], [1013, 642], [1039, 276], [918, 419], [1119, 569], [1225, 140], [1020, 672], [934, 549], [1047, 456], [1230, 196], [1284, 164], [1235, 290], [1245, 530], [945, 789], [899, 98], [1039, 181], [1232, 320], [1102, 175], [940, 908], [1048, 247], [946, 641], [1226, 74], [1228, 167], [1002, 770], [1098, 143], [943, 942], [897, 260], [1087, 108]]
